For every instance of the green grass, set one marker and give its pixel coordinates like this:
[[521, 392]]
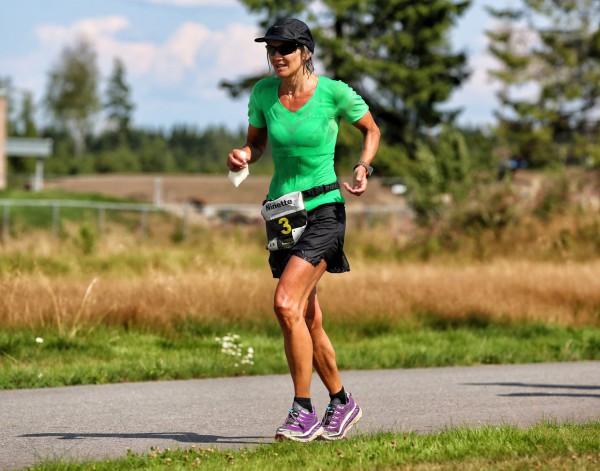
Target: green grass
[[545, 446], [109, 354]]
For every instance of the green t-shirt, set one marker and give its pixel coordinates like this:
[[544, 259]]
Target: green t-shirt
[[303, 142]]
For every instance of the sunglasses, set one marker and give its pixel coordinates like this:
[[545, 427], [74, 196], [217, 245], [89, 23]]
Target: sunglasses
[[284, 49]]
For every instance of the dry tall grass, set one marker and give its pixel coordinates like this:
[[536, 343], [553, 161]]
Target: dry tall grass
[[533, 269], [500, 290], [222, 274]]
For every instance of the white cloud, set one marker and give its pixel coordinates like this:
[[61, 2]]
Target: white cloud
[[102, 32], [233, 54], [195, 3], [190, 61], [187, 42], [192, 48], [237, 53], [207, 56], [91, 28], [30, 70]]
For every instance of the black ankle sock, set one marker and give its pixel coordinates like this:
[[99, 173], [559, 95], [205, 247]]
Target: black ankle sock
[[305, 402], [341, 396]]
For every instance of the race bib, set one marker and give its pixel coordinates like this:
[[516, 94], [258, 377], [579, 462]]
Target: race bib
[[286, 220]]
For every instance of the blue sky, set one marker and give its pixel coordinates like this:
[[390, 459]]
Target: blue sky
[[176, 52]]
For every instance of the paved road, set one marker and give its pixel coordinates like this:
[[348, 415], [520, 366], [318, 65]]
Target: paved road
[[91, 422]]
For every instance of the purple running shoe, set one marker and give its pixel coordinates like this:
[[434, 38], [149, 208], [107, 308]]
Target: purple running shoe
[[300, 425], [339, 418]]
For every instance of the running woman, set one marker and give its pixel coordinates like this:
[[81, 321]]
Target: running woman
[[298, 113]]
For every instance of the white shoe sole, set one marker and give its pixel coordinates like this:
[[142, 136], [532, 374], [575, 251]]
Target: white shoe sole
[[299, 438], [350, 425]]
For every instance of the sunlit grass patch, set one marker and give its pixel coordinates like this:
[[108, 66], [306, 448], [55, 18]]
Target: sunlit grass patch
[[110, 354], [545, 446]]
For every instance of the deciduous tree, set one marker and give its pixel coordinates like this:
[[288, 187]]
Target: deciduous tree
[[72, 94]]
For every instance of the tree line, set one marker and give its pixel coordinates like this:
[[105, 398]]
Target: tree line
[[397, 54], [75, 101]]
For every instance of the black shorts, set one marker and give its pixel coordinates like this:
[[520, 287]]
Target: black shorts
[[323, 239]]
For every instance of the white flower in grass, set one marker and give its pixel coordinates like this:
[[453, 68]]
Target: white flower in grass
[[231, 346], [39, 340]]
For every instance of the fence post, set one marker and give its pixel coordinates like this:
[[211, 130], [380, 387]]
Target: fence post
[[101, 220], [5, 223], [143, 222], [186, 221], [55, 217], [158, 186]]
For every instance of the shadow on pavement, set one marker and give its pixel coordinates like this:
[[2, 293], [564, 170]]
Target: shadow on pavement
[[544, 386], [179, 437], [542, 394]]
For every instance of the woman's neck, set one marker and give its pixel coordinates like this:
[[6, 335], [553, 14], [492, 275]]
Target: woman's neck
[[298, 84]]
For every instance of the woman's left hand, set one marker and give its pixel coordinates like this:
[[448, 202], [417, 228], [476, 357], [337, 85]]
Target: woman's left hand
[[371, 134], [359, 183]]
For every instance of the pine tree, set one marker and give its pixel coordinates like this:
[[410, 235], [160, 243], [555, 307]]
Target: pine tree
[[27, 125], [552, 49], [396, 54], [118, 104], [8, 89]]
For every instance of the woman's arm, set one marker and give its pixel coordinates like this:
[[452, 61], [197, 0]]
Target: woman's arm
[[371, 135], [256, 142]]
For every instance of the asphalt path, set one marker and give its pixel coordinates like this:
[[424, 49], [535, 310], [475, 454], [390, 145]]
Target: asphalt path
[[94, 422]]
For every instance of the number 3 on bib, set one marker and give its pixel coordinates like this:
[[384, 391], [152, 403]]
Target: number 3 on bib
[[286, 218], [287, 229]]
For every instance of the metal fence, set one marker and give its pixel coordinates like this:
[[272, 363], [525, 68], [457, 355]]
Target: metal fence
[[185, 213], [56, 205]]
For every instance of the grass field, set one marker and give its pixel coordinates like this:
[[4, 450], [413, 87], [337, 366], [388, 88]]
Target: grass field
[[89, 308]]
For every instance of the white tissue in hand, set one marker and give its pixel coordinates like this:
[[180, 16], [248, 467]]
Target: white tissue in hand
[[238, 177]]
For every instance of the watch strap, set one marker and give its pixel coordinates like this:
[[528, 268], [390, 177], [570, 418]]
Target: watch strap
[[368, 168]]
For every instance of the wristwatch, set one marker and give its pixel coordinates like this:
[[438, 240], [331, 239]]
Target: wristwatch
[[368, 168]]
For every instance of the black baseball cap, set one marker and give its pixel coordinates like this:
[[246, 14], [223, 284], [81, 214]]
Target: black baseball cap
[[290, 29]]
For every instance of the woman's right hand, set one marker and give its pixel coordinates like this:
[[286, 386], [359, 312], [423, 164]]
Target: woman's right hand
[[237, 160]]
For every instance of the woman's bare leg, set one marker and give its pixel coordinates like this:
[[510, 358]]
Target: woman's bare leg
[[295, 286], [323, 352]]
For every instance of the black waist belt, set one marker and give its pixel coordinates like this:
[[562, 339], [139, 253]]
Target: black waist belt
[[319, 190]]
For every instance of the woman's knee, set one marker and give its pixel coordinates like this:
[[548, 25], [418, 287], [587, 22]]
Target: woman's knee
[[287, 311]]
